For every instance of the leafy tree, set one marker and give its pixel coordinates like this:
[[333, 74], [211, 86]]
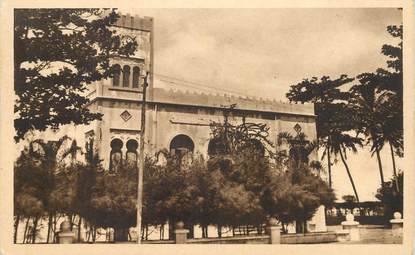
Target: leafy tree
[[113, 201], [391, 198], [30, 181], [297, 201], [46, 156], [242, 178], [329, 103], [57, 52], [370, 107], [304, 191], [378, 100], [292, 195], [392, 79], [341, 143]]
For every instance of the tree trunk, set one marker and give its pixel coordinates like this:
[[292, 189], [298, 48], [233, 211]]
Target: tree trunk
[[382, 180], [50, 219], [394, 168], [34, 229], [25, 230], [54, 228], [146, 235], [94, 234], [121, 234], [349, 174], [79, 229], [329, 166], [204, 231], [71, 221], [171, 230], [219, 231], [161, 232], [16, 228], [189, 226], [88, 234]]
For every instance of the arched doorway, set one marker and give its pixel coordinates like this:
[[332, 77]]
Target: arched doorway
[[182, 147], [115, 155], [216, 147], [131, 155]]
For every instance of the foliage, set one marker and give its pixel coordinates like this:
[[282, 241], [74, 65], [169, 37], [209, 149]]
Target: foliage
[[391, 197], [296, 194], [372, 107], [335, 119], [57, 52], [377, 100], [349, 199], [30, 180], [285, 189], [114, 199], [45, 186], [288, 201]]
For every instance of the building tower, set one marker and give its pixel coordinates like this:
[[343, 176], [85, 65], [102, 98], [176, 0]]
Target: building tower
[[116, 136]]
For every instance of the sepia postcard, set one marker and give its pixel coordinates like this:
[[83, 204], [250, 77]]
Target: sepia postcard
[[222, 127]]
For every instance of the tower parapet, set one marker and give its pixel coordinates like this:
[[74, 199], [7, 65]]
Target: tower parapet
[[223, 100], [135, 22]]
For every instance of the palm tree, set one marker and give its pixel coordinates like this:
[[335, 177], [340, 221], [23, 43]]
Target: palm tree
[[50, 154], [339, 144], [371, 106], [392, 131], [327, 97]]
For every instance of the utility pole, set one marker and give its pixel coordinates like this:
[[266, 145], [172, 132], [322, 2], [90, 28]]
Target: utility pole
[[142, 158]]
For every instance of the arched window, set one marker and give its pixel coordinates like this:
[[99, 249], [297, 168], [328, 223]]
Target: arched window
[[216, 147], [89, 148], [115, 155], [116, 77], [182, 147], [126, 76], [136, 77], [131, 155]]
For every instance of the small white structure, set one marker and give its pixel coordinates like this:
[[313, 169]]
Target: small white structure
[[65, 234], [318, 222], [397, 224], [274, 230], [352, 226]]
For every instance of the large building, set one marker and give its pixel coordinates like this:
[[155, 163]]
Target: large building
[[175, 120]]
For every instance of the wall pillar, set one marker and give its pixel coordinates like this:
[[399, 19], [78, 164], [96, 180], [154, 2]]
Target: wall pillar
[[65, 234], [274, 231], [180, 233], [352, 227], [397, 225]]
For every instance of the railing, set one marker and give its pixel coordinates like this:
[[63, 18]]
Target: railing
[[366, 213]]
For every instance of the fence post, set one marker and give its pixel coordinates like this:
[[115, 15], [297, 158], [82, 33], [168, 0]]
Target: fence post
[[65, 234], [180, 233], [274, 231], [397, 224], [352, 226]]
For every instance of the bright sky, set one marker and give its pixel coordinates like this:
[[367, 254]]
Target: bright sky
[[261, 52]]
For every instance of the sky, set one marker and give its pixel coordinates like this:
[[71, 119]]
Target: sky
[[261, 52]]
